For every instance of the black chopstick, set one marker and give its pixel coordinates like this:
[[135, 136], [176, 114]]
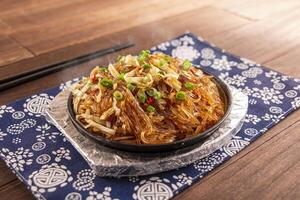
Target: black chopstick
[[33, 74]]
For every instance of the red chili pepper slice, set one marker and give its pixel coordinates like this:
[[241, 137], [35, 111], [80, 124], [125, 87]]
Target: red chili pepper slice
[[94, 79], [150, 100]]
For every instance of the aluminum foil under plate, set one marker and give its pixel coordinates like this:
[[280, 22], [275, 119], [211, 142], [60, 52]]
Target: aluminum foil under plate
[[110, 162]]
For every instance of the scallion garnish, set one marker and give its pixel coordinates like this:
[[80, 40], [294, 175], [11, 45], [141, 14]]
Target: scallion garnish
[[103, 69], [186, 65], [180, 95], [143, 55], [130, 86], [118, 95], [150, 109], [142, 97], [146, 66], [151, 92], [106, 83], [189, 85], [157, 95], [168, 58], [121, 76], [161, 63]]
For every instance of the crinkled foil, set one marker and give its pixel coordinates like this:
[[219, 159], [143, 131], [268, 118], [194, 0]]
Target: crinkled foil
[[115, 163]]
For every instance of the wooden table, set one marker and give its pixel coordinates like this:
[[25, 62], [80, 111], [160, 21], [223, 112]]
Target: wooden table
[[35, 33]]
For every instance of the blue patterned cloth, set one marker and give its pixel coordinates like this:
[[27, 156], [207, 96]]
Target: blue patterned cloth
[[52, 169]]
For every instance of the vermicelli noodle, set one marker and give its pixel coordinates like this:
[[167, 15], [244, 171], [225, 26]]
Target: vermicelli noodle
[[147, 99]]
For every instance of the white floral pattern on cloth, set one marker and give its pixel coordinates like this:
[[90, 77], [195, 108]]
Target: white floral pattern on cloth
[[133, 179], [253, 72], [272, 117], [85, 180], [2, 135], [248, 62], [105, 195], [236, 80], [207, 54], [73, 196], [235, 145], [275, 77], [252, 101], [16, 140], [254, 119], [5, 109], [257, 82], [37, 104], [223, 64], [38, 146], [155, 188], [16, 129], [18, 115], [206, 164], [17, 159], [291, 93], [185, 53], [61, 153], [49, 177], [182, 48], [182, 179], [268, 95], [296, 103], [43, 159], [251, 132], [30, 145], [46, 133], [275, 110], [38, 195]]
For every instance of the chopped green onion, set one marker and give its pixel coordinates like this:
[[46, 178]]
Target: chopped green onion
[[161, 63], [143, 55], [154, 93], [180, 96], [121, 76], [118, 95], [151, 92], [157, 95], [146, 66], [142, 97], [186, 65], [106, 82], [168, 58], [144, 52], [130, 86], [103, 69], [189, 85], [141, 59], [150, 109]]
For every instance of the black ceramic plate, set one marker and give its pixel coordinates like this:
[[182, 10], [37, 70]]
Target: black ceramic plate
[[225, 95]]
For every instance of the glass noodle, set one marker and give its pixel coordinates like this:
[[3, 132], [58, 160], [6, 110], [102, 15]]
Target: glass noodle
[[147, 99]]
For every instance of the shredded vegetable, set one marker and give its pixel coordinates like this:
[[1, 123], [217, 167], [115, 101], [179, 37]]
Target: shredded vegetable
[[147, 99]]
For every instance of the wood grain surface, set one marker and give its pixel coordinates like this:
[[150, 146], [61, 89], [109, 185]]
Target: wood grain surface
[[37, 33]]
